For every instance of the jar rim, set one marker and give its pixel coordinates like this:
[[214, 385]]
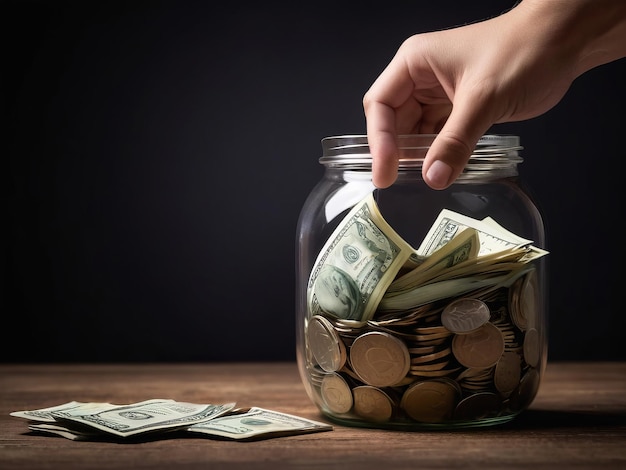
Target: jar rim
[[353, 150]]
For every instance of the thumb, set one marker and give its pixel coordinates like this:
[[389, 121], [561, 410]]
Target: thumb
[[455, 143]]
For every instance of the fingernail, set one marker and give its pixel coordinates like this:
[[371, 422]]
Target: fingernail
[[439, 174]]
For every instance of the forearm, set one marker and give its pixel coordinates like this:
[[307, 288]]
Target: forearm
[[594, 31]]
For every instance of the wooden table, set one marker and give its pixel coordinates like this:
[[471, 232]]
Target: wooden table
[[578, 420]]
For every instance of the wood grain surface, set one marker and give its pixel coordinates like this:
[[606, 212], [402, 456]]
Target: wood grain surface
[[577, 421]]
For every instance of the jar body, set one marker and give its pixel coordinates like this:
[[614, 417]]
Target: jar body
[[440, 339]]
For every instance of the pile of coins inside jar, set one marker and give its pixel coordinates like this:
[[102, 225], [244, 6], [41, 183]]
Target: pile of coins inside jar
[[461, 359]]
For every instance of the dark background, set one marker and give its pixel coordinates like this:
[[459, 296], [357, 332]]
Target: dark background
[[156, 155]]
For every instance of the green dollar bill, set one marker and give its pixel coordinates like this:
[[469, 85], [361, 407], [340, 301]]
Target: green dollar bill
[[356, 265]]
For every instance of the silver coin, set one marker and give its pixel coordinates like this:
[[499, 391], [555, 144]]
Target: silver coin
[[465, 315]]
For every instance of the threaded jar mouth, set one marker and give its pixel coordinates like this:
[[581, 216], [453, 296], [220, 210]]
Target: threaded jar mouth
[[492, 152]]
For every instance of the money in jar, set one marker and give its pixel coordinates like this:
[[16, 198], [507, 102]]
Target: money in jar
[[419, 308]]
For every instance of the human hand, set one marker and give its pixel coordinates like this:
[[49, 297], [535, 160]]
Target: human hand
[[458, 82]]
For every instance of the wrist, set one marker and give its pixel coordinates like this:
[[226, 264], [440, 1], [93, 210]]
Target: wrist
[[591, 32]]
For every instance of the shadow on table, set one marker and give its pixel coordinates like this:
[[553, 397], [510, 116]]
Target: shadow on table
[[547, 419]]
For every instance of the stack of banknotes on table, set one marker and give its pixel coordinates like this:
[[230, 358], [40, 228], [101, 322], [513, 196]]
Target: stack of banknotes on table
[[156, 418]]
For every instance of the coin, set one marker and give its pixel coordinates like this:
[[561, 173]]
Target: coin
[[423, 350], [434, 373], [529, 299], [432, 330], [325, 344], [379, 359], [508, 372], [480, 348], [523, 301], [430, 401], [475, 374], [336, 393], [527, 390], [531, 347], [465, 315], [430, 366], [477, 406], [424, 358], [372, 404], [476, 380]]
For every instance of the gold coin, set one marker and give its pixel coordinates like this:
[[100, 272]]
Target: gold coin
[[434, 342], [417, 368], [529, 299], [515, 311], [465, 315], [431, 357], [531, 347], [477, 406], [475, 374], [336, 393], [423, 350], [527, 390], [508, 372], [443, 373], [477, 380], [430, 337], [480, 348], [372, 404], [379, 359], [430, 401], [325, 345], [432, 330]]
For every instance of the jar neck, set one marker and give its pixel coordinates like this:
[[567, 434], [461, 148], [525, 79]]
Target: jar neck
[[495, 156]]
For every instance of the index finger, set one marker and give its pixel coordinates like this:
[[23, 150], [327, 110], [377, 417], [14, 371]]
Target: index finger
[[392, 88], [381, 137]]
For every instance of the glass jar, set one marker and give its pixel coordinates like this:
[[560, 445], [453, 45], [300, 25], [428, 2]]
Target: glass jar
[[419, 308]]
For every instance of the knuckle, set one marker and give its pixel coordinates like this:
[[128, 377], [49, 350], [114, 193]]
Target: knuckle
[[456, 144]]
